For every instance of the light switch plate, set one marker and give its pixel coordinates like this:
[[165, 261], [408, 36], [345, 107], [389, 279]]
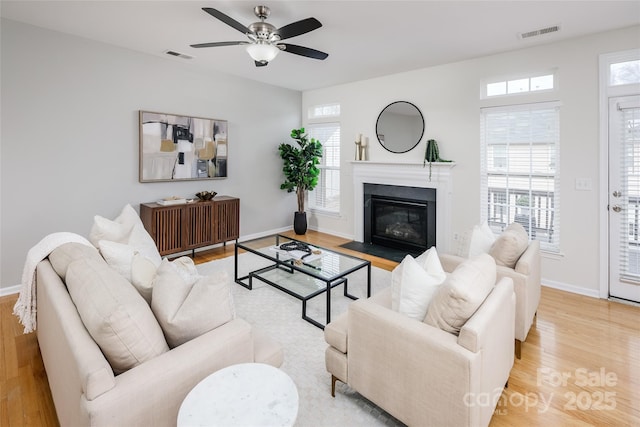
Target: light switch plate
[[583, 184]]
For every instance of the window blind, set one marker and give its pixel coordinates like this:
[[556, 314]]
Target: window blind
[[326, 195], [629, 201], [520, 177]]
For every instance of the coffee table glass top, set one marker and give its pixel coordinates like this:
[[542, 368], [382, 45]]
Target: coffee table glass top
[[301, 270], [326, 265]]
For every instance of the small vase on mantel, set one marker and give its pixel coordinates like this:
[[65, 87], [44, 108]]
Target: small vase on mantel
[[300, 222]]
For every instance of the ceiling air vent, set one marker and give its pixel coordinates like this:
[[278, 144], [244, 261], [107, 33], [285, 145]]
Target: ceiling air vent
[[540, 32], [178, 54]]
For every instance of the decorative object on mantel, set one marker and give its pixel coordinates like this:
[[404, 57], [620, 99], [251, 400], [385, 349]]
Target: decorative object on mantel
[[178, 148], [432, 154], [301, 171], [173, 200], [361, 147], [206, 195]]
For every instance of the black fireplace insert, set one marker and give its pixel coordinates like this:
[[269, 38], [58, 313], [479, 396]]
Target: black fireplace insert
[[400, 217]]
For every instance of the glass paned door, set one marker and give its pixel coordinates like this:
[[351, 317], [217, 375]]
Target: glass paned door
[[624, 197]]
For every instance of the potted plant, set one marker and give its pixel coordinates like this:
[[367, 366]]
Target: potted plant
[[300, 168]]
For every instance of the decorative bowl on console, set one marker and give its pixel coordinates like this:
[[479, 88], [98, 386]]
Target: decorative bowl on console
[[206, 195]]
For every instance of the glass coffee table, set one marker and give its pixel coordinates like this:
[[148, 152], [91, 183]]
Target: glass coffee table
[[301, 270]]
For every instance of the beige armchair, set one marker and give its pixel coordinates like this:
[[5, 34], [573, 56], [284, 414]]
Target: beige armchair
[[526, 283], [419, 373]]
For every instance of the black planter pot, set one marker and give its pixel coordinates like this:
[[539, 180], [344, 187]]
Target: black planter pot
[[300, 222]]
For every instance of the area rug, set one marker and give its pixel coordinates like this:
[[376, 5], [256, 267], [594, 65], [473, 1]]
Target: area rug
[[279, 315]]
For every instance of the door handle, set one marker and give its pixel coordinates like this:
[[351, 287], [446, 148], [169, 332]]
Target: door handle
[[617, 194], [616, 208]]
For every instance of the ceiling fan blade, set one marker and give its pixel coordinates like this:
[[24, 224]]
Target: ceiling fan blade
[[217, 44], [298, 28], [304, 51], [261, 64], [226, 19]]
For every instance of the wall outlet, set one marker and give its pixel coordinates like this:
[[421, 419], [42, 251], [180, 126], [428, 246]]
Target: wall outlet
[[583, 184]]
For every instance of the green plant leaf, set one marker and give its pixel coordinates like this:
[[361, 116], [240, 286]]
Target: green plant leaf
[[300, 164]]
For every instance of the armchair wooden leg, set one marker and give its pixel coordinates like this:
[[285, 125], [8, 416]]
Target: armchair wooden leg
[[519, 349], [333, 385]]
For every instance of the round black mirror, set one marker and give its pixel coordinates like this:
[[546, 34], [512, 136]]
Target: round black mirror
[[400, 127]]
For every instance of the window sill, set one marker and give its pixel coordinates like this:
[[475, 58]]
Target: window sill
[[326, 213], [545, 253]]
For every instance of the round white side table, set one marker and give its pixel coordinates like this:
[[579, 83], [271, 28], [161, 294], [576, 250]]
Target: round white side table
[[247, 394]]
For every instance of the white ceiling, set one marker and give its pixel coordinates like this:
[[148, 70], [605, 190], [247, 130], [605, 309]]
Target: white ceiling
[[364, 39]]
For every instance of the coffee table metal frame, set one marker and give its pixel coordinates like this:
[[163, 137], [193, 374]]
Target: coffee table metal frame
[[289, 266]]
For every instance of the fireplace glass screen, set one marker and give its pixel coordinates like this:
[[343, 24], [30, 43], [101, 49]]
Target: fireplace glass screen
[[400, 217], [397, 222]]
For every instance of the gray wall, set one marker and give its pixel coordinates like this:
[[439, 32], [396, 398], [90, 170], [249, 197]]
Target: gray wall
[[69, 147]]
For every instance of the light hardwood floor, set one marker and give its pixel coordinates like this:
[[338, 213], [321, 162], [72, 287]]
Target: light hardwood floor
[[580, 364]]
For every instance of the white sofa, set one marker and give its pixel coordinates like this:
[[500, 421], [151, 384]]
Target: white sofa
[[419, 373], [85, 390]]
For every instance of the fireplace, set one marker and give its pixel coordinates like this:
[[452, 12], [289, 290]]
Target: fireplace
[[400, 217]]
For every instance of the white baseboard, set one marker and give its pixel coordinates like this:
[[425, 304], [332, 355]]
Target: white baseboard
[[332, 232], [594, 293], [264, 234], [10, 290]]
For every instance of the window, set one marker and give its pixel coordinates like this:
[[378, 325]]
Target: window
[[519, 171], [326, 195], [623, 73], [324, 111], [519, 85]]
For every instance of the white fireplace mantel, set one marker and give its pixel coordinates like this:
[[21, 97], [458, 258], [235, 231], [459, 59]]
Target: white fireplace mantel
[[410, 175]]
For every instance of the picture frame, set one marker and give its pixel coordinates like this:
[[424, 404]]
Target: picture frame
[[181, 148]]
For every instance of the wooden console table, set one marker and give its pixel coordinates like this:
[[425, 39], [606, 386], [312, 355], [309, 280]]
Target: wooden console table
[[188, 226]]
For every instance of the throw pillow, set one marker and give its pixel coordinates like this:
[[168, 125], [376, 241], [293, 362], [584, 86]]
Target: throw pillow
[[126, 228], [65, 254], [462, 293], [133, 266], [143, 272], [413, 282], [116, 230], [116, 316], [510, 245], [481, 240], [188, 305], [418, 286]]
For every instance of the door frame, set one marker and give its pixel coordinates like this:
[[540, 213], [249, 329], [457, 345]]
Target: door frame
[[606, 92]]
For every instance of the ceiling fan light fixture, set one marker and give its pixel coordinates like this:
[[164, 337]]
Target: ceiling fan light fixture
[[262, 52]]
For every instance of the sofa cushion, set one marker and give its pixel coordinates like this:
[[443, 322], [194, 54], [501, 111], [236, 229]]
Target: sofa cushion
[[133, 266], [66, 253], [187, 304], [116, 316], [510, 245], [462, 293], [418, 282], [126, 228]]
